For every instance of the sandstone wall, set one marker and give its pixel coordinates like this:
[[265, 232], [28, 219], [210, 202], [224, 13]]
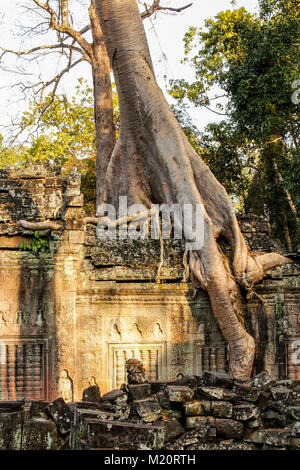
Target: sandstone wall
[[74, 315]]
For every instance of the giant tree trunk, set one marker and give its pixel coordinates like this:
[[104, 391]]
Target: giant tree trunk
[[154, 162], [103, 103]]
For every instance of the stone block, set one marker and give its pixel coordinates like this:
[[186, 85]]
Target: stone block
[[221, 409], [149, 410], [280, 392], [61, 415], [38, 409], [115, 397], [119, 435], [139, 391], [258, 436], [11, 430], [40, 434], [204, 424], [246, 412], [229, 428], [215, 393], [217, 379], [163, 400], [246, 392], [278, 437], [172, 427], [263, 381], [179, 394], [197, 408]]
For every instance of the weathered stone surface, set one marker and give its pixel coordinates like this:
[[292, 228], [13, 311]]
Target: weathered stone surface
[[149, 409], [246, 392], [263, 381], [221, 409], [136, 373], [278, 437], [115, 396], [197, 408], [91, 394], [217, 379], [178, 393], [159, 385], [61, 415], [163, 400], [229, 428], [206, 425], [172, 428], [246, 412], [215, 393], [40, 434], [139, 392], [280, 392], [38, 409], [11, 430], [116, 435], [257, 436], [8, 406], [294, 443]]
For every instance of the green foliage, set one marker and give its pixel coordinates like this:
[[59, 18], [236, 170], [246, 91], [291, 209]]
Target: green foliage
[[252, 60], [37, 245]]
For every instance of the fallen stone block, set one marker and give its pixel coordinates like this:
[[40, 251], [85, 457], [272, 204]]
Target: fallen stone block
[[197, 408], [280, 393], [116, 435], [149, 410], [178, 393], [278, 437], [215, 393], [257, 437], [246, 392], [203, 424], [221, 409], [11, 430], [40, 434], [217, 379], [61, 415], [263, 381], [294, 443], [229, 428], [159, 385], [172, 428], [163, 400], [38, 409], [246, 412], [139, 392], [9, 406], [117, 397]]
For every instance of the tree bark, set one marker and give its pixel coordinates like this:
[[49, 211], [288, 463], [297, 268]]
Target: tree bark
[[154, 162], [103, 103]]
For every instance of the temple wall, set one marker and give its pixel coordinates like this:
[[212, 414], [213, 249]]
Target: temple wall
[[75, 314]]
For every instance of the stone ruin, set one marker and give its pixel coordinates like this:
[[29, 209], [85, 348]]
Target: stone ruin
[[71, 317], [211, 412]]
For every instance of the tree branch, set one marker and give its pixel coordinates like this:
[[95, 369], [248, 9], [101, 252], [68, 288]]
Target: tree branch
[[157, 7]]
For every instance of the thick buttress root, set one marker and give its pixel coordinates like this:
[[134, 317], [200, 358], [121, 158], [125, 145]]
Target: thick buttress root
[[153, 161]]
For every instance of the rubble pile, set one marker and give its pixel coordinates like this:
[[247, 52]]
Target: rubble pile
[[212, 412]]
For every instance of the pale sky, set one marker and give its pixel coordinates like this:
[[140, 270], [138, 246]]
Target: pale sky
[[165, 34]]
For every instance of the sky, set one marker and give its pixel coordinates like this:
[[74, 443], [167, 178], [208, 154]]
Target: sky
[[165, 34]]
